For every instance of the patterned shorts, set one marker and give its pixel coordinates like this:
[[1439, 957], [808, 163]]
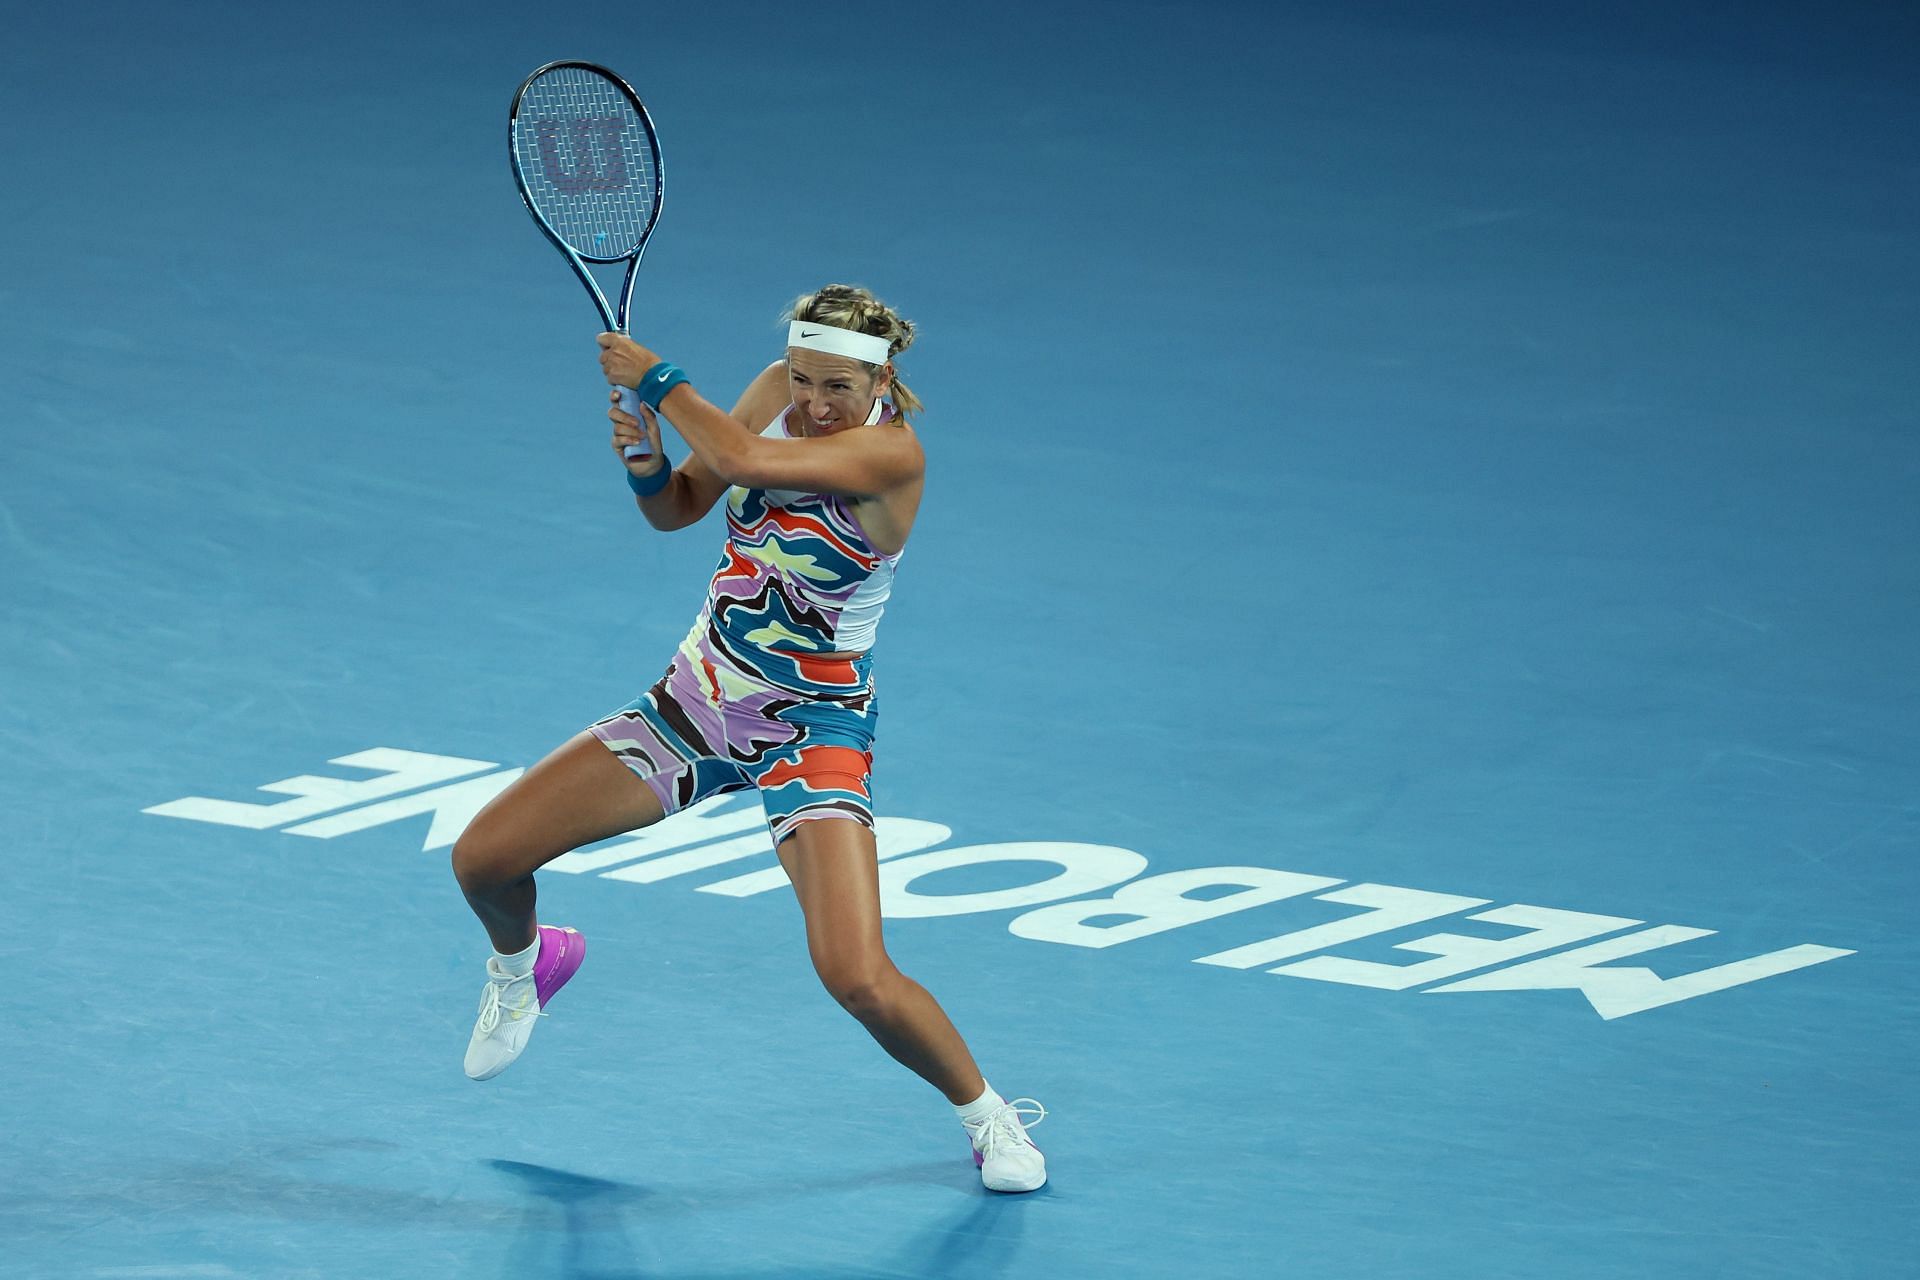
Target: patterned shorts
[[728, 716]]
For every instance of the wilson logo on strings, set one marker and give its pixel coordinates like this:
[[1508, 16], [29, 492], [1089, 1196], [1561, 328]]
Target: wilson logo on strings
[[585, 174]]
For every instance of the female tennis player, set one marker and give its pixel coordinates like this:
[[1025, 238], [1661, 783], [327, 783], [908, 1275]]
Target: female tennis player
[[771, 689]]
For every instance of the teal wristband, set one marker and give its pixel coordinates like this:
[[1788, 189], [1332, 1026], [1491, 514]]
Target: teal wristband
[[647, 486], [657, 381]]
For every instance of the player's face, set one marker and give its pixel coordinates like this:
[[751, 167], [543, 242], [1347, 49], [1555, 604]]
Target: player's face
[[832, 392]]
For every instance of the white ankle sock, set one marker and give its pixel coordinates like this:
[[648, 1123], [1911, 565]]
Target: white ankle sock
[[520, 963], [981, 1107]]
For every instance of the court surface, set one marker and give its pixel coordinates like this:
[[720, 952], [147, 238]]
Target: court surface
[[1450, 466]]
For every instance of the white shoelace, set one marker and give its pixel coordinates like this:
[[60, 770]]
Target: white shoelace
[[490, 1003], [1007, 1123]]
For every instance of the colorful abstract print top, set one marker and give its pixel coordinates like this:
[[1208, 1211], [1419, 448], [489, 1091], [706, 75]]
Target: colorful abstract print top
[[797, 574]]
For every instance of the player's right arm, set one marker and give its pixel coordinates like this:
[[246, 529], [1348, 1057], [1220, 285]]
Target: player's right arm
[[694, 488]]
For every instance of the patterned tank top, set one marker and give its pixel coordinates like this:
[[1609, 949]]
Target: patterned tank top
[[797, 574]]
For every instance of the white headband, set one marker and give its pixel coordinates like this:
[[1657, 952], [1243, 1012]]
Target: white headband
[[838, 342]]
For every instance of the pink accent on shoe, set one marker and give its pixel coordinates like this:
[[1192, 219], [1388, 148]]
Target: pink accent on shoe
[[561, 951]]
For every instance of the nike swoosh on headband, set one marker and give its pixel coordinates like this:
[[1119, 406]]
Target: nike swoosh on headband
[[816, 336]]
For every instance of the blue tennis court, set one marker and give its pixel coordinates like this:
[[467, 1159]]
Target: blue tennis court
[[1401, 722]]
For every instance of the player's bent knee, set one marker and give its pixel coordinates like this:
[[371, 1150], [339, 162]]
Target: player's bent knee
[[865, 990], [866, 1001], [470, 867], [481, 864]]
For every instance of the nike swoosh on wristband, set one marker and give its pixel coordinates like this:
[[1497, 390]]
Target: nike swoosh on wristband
[[805, 334]]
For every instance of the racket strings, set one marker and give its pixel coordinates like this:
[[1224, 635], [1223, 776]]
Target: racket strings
[[588, 161]]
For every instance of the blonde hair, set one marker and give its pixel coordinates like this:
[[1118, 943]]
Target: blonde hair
[[849, 306]]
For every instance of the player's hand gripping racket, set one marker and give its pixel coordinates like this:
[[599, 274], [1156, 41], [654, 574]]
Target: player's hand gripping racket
[[587, 162]]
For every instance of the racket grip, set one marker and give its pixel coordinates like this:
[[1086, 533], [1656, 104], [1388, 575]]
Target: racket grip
[[630, 404]]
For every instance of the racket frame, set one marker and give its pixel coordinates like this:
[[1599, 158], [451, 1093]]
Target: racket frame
[[616, 321]]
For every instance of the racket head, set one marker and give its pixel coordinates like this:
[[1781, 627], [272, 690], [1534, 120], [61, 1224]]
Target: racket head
[[587, 161]]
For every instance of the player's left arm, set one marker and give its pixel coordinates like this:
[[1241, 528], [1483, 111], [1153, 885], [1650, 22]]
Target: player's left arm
[[858, 462]]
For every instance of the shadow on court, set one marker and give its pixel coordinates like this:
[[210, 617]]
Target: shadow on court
[[256, 1184], [983, 1241], [600, 1223], [593, 1231]]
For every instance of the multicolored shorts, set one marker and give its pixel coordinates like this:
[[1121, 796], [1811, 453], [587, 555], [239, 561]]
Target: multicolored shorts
[[728, 716]]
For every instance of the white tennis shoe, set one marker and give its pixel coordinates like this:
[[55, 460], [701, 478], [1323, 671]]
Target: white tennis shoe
[[1005, 1155], [510, 1006], [508, 1010]]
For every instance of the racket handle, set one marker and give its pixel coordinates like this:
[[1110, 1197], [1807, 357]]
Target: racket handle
[[630, 405]]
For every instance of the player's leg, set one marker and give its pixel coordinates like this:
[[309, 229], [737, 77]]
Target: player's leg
[[577, 795], [833, 863]]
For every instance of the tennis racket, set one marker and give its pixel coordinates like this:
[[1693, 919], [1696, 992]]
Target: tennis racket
[[587, 162]]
